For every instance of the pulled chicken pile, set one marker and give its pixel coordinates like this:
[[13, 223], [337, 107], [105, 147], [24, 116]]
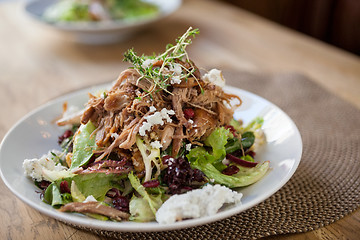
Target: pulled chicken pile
[[199, 107]]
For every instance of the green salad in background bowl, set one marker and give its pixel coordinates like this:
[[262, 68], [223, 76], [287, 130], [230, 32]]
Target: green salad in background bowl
[[99, 21], [100, 10]]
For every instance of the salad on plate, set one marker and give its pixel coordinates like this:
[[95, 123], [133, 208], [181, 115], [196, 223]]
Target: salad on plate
[[160, 144]]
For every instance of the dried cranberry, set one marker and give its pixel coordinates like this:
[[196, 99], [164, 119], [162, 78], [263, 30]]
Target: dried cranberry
[[44, 184], [114, 192], [64, 187], [121, 203], [66, 134], [238, 153], [151, 183], [241, 162], [189, 113], [197, 175], [251, 153], [230, 170], [180, 177], [165, 159], [231, 129]]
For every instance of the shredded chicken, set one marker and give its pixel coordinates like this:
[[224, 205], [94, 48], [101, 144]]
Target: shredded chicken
[[120, 113], [95, 207], [106, 166]]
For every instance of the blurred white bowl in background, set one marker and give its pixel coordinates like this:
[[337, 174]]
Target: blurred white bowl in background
[[99, 32]]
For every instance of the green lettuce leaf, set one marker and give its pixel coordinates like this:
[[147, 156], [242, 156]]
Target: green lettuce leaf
[[252, 126], [67, 10], [247, 139], [151, 157], [84, 145], [143, 208], [95, 184], [52, 195], [76, 195], [210, 163], [217, 141], [140, 210], [243, 178], [232, 145]]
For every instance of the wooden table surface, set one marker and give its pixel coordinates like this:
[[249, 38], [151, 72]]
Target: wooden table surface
[[37, 65]]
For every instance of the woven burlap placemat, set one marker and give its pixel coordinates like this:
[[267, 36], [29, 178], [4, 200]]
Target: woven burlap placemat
[[325, 187]]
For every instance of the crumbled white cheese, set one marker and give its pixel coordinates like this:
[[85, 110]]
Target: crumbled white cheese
[[114, 135], [175, 68], [152, 109], [215, 76], [188, 147], [165, 114], [197, 203], [170, 161], [156, 144], [154, 119], [90, 198], [34, 167], [147, 63], [144, 127], [175, 80], [191, 121], [225, 161]]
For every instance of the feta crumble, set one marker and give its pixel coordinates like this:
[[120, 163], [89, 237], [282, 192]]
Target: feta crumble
[[114, 135], [188, 147], [152, 109], [156, 144], [154, 119], [176, 68], [175, 80], [196, 203], [215, 76], [34, 167], [90, 198], [147, 63]]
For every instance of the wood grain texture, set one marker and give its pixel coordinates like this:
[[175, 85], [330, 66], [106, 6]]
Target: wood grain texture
[[37, 65]]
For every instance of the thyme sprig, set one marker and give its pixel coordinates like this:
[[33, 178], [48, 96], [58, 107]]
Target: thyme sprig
[[161, 76]]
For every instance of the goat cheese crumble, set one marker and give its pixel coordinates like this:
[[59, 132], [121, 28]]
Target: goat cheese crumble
[[188, 147], [175, 68], [152, 109], [154, 119], [175, 80], [156, 144], [34, 167], [90, 198], [215, 76], [147, 63], [196, 203]]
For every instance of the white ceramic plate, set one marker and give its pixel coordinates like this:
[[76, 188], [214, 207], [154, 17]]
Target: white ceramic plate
[[35, 135], [99, 32]]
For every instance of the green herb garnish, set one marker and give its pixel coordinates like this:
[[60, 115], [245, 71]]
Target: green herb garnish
[[163, 74]]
